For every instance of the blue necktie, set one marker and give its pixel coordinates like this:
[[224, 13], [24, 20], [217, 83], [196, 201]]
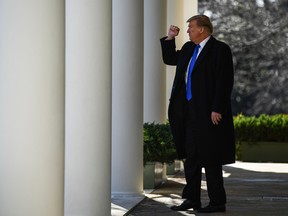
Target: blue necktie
[[191, 66]]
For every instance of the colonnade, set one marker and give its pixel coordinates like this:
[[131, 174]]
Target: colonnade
[[77, 81]]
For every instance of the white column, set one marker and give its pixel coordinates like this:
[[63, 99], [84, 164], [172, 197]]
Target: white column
[[178, 12], [32, 108], [154, 69], [127, 94], [88, 107]]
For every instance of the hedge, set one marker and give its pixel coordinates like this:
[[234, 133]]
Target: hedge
[[263, 128], [158, 141]]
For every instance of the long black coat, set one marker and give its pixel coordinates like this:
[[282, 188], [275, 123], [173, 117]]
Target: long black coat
[[212, 83]]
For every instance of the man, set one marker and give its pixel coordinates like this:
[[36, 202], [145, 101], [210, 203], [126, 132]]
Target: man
[[200, 111]]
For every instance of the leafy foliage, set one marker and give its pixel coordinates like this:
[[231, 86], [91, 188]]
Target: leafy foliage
[[159, 146], [158, 143], [262, 128]]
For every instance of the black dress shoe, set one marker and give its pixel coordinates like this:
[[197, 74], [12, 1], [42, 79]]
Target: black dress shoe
[[212, 208], [187, 204]]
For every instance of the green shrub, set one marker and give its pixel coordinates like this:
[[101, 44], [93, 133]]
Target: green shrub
[[263, 128], [159, 146], [158, 143], [273, 128]]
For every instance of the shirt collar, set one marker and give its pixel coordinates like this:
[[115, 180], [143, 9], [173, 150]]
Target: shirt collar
[[202, 44]]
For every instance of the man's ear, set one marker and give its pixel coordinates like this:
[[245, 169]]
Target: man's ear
[[202, 29]]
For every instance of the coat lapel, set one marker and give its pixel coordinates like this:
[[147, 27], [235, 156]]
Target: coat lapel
[[182, 68], [188, 56], [205, 50]]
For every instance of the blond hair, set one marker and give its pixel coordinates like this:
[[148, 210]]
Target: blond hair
[[202, 21]]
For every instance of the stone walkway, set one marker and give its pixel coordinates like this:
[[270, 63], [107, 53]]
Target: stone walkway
[[253, 189]]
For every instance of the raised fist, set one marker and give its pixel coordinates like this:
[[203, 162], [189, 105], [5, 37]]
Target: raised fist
[[173, 32]]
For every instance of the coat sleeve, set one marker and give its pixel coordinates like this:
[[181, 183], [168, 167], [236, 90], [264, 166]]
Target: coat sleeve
[[169, 53], [224, 79]]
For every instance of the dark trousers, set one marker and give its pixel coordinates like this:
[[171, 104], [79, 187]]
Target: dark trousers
[[193, 170]]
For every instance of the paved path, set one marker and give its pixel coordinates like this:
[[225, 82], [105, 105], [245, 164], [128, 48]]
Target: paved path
[[253, 189]]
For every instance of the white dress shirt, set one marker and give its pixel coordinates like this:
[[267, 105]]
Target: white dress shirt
[[201, 46]]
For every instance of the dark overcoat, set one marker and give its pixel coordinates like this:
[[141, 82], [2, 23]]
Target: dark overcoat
[[212, 83]]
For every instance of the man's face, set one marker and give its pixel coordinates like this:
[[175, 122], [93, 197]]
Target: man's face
[[194, 32]]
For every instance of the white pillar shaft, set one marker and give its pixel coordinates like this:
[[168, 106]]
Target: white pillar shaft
[[88, 107], [178, 12], [32, 108], [154, 70], [127, 93]]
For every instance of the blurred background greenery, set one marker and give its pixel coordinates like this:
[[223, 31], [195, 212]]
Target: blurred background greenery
[[257, 32]]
